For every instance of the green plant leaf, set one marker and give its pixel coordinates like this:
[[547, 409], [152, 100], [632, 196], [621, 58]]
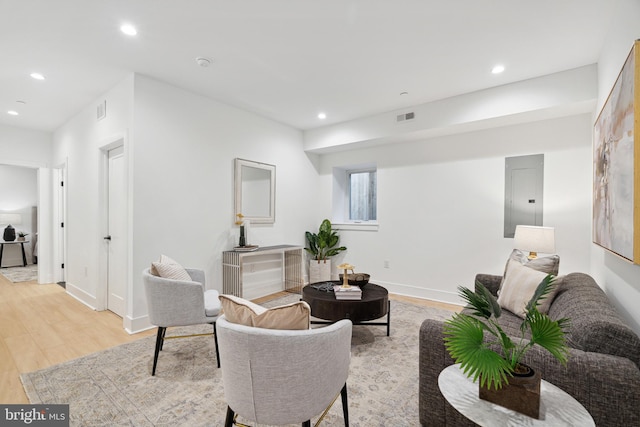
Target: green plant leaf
[[335, 251], [494, 307], [312, 240], [475, 302], [323, 245], [541, 292], [464, 340], [325, 227], [549, 334]]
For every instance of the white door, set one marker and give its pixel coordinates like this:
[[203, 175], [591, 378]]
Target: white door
[[117, 232]]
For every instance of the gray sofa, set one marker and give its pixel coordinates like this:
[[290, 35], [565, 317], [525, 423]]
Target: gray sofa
[[603, 368]]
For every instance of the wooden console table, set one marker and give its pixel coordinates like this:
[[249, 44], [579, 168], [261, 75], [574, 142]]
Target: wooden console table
[[263, 271]]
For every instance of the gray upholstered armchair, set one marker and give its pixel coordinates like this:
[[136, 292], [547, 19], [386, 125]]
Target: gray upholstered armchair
[[179, 303], [280, 376]]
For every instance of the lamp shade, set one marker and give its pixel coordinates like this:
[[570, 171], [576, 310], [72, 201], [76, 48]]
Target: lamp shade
[[535, 239], [10, 218]]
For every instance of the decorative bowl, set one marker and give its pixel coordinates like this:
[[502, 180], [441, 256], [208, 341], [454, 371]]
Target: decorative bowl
[[356, 279]]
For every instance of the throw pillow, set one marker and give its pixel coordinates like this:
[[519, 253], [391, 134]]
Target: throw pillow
[[548, 264], [292, 316], [520, 283], [169, 269]]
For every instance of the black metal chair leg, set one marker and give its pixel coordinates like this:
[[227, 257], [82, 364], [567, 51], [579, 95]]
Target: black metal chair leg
[[228, 422], [164, 333], [215, 339], [306, 423], [345, 407], [159, 340]]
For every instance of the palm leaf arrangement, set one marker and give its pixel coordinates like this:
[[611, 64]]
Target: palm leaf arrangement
[[465, 335]]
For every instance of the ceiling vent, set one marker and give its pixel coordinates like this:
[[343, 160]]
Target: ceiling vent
[[405, 117], [101, 111]]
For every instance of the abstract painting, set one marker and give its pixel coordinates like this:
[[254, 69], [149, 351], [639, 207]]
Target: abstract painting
[[616, 220]]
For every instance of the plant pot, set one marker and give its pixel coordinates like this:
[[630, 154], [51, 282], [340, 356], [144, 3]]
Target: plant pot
[[319, 271], [522, 394], [21, 239]]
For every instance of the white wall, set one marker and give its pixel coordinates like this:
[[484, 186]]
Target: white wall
[[441, 209], [619, 278], [19, 194], [183, 151], [77, 143], [180, 151], [24, 147]]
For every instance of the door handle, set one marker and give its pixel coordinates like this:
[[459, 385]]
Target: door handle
[[107, 238]]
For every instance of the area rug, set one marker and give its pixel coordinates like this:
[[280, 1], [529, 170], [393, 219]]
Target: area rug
[[115, 387], [21, 274]]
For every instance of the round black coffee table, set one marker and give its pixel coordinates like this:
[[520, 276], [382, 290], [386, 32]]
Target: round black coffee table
[[373, 305]]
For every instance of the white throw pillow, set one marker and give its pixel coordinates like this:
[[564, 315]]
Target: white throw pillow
[[547, 264], [169, 269], [520, 283]]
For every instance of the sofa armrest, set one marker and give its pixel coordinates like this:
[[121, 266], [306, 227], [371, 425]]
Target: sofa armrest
[[607, 386], [196, 275], [434, 410], [489, 281]]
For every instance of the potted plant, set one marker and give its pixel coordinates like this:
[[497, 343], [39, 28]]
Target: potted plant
[[322, 246], [22, 235], [497, 362]]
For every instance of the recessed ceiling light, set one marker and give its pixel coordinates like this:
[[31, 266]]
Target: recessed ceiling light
[[404, 93], [497, 69], [128, 29], [37, 76], [12, 113], [322, 116]]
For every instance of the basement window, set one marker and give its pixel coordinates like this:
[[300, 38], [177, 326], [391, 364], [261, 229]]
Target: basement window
[[355, 197], [362, 195]]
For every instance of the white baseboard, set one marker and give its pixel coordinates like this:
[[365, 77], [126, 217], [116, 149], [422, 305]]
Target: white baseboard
[[82, 296], [418, 292], [139, 324]]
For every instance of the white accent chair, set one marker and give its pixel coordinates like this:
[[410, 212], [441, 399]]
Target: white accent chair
[[278, 377], [179, 303]]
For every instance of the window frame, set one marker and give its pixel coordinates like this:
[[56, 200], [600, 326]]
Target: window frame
[[341, 198]]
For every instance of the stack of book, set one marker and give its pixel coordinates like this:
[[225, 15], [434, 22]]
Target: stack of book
[[351, 293]]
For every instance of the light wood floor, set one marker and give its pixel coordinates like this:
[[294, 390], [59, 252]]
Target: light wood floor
[[41, 326]]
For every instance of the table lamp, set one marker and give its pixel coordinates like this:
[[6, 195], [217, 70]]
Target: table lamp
[[534, 239]]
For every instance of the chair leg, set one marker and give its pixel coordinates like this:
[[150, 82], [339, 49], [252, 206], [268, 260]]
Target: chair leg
[[215, 339], [159, 340], [228, 422], [345, 407], [164, 333]]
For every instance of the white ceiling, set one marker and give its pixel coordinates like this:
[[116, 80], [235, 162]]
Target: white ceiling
[[287, 59]]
